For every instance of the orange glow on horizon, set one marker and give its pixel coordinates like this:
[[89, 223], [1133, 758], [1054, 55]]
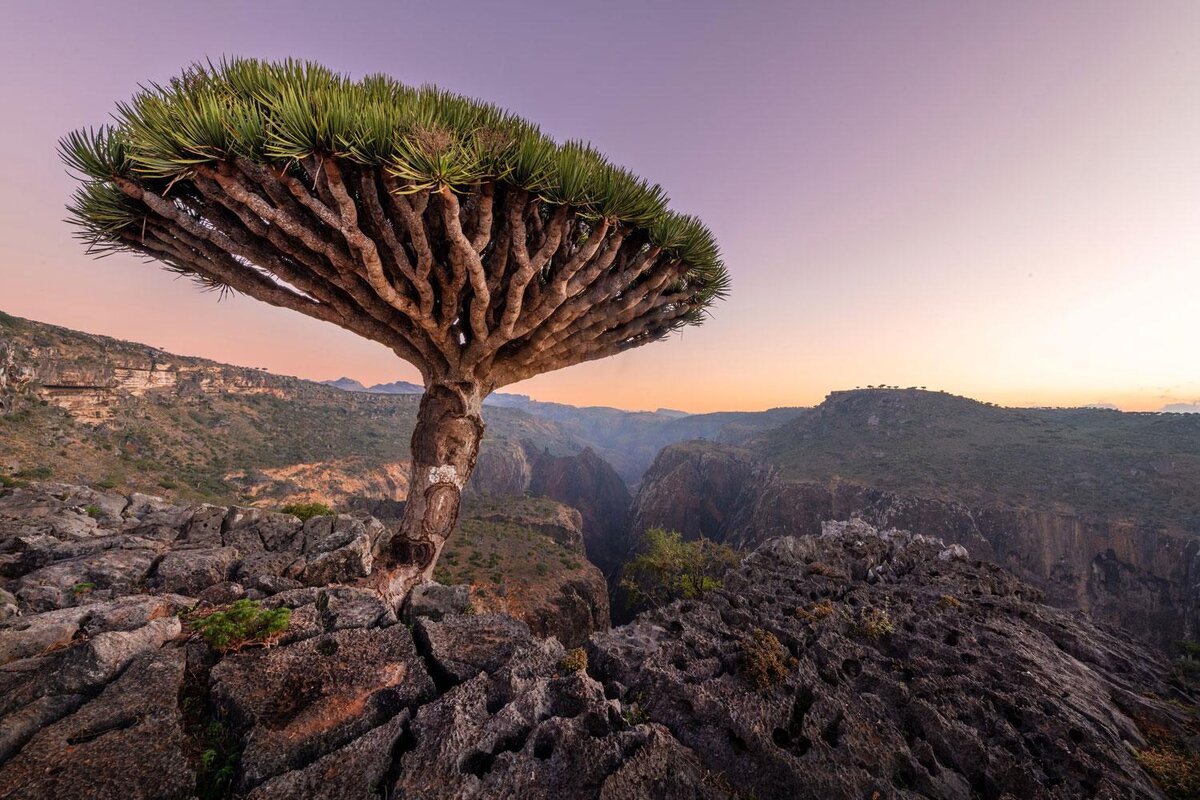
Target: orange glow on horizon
[[997, 200]]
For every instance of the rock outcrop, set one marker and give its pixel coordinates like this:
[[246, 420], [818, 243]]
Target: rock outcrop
[[1140, 577], [67, 547], [855, 664], [524, 556]]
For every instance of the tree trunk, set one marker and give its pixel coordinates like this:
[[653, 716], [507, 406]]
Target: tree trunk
[[444, 446]]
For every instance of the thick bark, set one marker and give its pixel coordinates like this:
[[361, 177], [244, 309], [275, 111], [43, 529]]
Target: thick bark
[[445, 444]]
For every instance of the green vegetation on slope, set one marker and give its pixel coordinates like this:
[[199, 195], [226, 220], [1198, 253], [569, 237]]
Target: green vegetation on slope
[[186, 439], [1144, 467]]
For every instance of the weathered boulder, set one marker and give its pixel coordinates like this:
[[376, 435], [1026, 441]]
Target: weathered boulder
[[530, 730], [460, 647], [435, 601], [98, 659], [307, 699], [126, 744], [192, 571], [25, 636], [117, 571], [357, 770], [334, 608]]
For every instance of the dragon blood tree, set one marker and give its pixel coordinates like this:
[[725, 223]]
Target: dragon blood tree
[[451, 231]]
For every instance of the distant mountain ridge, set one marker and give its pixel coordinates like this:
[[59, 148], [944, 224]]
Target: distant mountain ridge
[[629, 440]]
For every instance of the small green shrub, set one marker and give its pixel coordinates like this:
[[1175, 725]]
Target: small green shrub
[[947, 602], [875, 623], [219, 760], [306, 511], [83, 587], [819, 611], [574, 660], [541, 568], [764, 661], [7, 482], [107, 483], [93, 511], [35, 473], [668, 568], [167, 483], [634, 714], [241, 623]]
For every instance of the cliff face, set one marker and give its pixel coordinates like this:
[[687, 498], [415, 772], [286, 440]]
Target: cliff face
[[586, 482], [1139, 577]]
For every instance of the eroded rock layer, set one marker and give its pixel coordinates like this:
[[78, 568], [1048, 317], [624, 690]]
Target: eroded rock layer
[[854, 664], [1140, 577]]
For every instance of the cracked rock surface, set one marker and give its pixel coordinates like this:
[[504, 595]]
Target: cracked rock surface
[[855, 664]]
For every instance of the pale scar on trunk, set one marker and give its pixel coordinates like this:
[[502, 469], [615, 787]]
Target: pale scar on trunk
[[441, 499]]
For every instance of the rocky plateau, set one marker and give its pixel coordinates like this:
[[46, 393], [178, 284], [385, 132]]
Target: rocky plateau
[[854, 663]]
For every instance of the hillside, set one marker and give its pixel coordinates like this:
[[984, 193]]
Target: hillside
[[91, 409], [1092, 462]]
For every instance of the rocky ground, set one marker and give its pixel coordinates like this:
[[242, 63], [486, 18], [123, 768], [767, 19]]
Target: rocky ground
[[856, 664], [1129, 573]]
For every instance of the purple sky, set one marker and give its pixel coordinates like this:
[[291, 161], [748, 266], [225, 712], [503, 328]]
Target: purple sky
[[996, 199]]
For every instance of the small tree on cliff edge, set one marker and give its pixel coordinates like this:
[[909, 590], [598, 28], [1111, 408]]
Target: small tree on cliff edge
[[451, 231]]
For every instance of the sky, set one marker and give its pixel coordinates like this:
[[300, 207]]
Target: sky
[[1000, 200]]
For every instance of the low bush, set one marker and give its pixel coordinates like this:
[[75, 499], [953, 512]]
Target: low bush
[[306, 511], [242, 623], [947, 602], [819, 611], [764, 661], [574, 660], [874, 623], [1174, 768], [669, 569]]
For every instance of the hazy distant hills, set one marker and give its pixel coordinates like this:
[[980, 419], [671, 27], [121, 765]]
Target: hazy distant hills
[[1141, 466], [629, 440], [396, 387]]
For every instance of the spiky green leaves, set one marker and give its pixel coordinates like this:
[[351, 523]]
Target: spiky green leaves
[[425, 137]]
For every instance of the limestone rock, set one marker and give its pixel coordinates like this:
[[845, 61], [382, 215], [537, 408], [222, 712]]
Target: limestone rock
[[192, 571], [460, 647], [307, 699], [356, 770], [435, 601], [98, 659], [127, 744]]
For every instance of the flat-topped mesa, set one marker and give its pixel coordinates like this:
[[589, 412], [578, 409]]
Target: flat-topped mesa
[[447, 229]]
